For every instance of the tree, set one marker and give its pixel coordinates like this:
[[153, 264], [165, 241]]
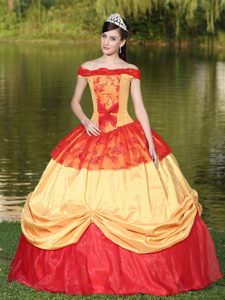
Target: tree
[[10, 4]]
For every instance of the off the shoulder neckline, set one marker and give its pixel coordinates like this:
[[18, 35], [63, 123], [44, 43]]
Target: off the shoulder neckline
[[82, 71], [103, 68]]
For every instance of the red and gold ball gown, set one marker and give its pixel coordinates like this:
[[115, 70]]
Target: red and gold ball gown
[[103, 219]]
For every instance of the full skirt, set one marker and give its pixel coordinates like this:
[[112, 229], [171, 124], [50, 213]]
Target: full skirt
[[104, 220]]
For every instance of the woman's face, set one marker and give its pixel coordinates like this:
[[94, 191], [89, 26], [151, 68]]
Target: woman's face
[[111, 42]]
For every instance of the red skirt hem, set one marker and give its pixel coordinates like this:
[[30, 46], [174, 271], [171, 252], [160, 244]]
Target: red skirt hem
[[96, 265]]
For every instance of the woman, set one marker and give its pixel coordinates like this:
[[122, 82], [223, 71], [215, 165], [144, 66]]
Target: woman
[[113, 213]]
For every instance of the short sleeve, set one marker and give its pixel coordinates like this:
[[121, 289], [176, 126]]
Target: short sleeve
[[82, 72], [136, 73]]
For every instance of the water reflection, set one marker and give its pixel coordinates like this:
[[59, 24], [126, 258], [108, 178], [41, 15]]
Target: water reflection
[[183, 92], [11, 207]]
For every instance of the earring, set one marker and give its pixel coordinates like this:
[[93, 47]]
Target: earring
[[120, 50]]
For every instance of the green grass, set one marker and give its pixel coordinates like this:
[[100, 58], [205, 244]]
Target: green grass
[[9, 234]]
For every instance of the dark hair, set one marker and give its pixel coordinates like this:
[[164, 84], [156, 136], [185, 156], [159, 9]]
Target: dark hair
[[107, 26]]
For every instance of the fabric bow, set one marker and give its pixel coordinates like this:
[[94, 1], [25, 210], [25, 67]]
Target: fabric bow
[[106, 113]]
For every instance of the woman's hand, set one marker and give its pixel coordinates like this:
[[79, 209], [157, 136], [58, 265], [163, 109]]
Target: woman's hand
[[91, 127], [154, 156]]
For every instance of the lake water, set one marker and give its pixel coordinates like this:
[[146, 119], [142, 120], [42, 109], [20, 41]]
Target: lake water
[[183, 91]]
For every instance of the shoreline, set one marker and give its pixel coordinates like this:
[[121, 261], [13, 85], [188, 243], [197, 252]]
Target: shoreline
[[183, 44]]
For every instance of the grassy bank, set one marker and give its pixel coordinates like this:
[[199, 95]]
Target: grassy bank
[[204, 43], [8, 242]]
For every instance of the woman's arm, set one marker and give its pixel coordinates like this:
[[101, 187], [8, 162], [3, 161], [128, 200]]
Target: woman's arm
[[77, 96], [142, 115], [90, 126]]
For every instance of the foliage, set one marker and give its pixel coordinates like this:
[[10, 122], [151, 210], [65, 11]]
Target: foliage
[[149, 19]]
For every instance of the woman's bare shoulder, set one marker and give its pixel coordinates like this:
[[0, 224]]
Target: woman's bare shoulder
[[127, 65], [90, 64], [133, 66]]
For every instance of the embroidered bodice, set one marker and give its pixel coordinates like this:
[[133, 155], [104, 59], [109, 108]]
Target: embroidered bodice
[[110, 91]]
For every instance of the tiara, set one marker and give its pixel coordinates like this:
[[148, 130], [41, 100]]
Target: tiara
[[117, 20]]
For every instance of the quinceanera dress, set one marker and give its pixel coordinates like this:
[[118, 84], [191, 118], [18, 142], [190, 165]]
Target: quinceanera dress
[[103, 219]]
